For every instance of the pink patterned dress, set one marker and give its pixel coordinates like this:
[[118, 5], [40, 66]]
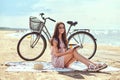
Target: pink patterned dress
[[58, 61]]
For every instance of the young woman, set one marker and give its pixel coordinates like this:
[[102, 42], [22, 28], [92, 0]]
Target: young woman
[[63, 57]]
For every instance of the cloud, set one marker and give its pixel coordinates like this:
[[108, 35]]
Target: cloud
[[100, 13]]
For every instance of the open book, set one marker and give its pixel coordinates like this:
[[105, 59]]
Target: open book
[[76, 46]]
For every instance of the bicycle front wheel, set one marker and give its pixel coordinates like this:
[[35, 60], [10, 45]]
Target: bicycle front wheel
[[31, 46], [86, 41]]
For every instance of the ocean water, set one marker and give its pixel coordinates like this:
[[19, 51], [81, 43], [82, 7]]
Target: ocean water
[[104, 37], [107, 37]]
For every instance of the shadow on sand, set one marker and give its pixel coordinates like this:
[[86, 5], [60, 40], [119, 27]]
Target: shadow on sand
[[80, 74]]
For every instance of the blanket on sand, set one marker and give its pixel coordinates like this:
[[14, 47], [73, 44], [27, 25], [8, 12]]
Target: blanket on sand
[[47, 66]]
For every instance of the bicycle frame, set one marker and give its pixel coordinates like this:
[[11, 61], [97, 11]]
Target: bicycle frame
[[48, 35]]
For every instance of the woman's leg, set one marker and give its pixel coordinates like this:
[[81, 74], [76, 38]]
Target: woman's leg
[[92, 66], [81, 58], [68, 59], [71, 57]]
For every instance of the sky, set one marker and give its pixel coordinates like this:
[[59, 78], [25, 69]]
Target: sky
[[92, 14]]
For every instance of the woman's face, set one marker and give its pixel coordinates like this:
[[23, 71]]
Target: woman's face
[[61, 28]]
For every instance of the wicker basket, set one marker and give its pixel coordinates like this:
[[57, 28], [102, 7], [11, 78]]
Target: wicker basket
[[35, 24]]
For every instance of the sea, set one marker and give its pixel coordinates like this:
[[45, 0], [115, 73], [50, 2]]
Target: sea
[[107, 37], [104, 37]]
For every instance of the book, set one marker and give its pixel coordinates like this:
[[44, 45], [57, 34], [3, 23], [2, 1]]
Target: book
[[76, 46]]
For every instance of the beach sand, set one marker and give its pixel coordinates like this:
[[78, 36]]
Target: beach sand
[[8, 53]]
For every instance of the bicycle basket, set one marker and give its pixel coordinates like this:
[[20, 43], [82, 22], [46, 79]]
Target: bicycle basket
[[35, 24]]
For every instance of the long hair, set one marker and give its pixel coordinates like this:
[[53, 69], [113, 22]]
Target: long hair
[[56, 35]]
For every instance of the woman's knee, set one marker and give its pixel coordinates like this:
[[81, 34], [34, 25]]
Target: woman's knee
[[68, 57], [70, 54], [75, 52]]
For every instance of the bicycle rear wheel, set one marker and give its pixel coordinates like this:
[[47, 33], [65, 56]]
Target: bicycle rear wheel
[[31, 46], [86, 41]]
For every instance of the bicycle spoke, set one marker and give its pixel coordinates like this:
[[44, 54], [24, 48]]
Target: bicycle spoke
[[87, 44], [80, 41], [31, 46]]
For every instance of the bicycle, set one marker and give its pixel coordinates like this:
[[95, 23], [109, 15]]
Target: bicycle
[[32, 45]]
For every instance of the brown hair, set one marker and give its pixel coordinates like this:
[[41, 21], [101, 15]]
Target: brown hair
[[56, 35]]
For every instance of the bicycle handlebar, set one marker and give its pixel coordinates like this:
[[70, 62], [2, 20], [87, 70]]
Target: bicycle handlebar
[[41, 13], [47, 17], [51, 19]]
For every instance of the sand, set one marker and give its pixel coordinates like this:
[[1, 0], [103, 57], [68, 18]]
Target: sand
[[8, 53]]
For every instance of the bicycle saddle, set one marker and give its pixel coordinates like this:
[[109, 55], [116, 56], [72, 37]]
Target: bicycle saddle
[[72, 23]]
